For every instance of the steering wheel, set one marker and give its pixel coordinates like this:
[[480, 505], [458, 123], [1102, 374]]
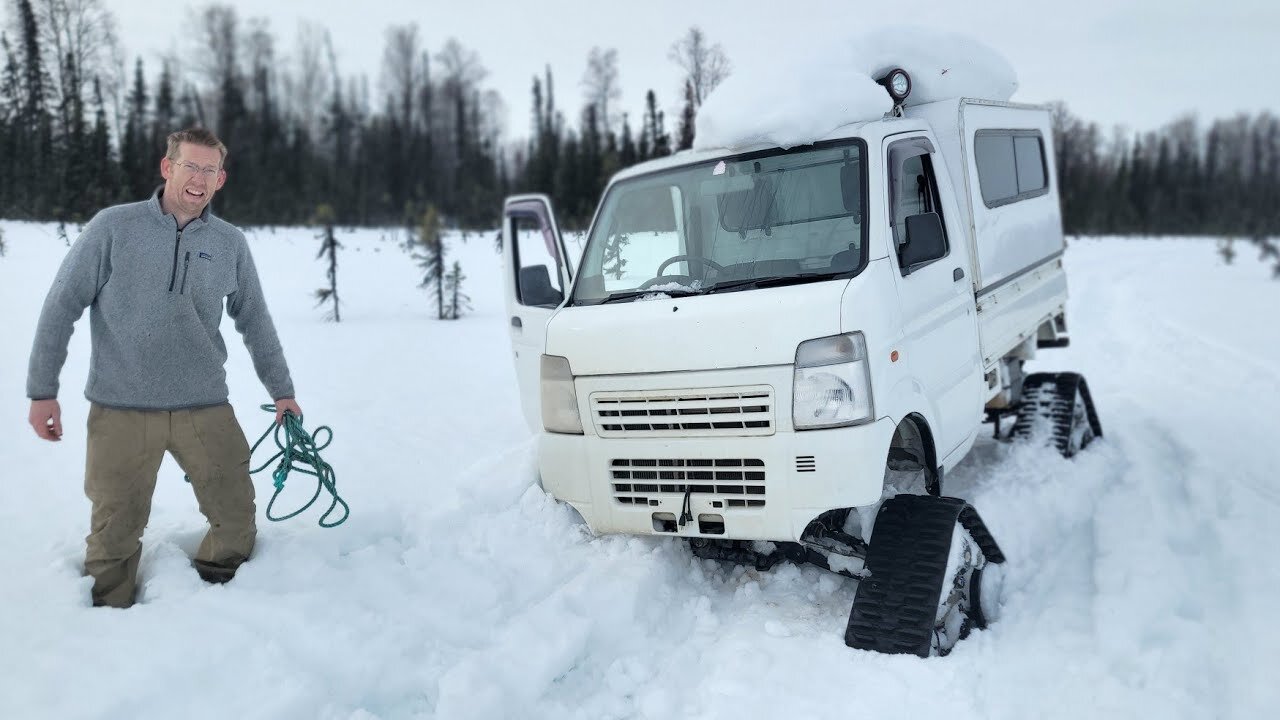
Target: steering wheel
[[660, 278], [677, 258]]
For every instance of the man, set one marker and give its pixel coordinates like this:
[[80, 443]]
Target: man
[[155, 276]]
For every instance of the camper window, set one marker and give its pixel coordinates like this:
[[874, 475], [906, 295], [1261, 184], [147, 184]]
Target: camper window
[[1011, 165]]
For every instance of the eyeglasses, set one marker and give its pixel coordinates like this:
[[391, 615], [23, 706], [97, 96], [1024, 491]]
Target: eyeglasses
[[209, 172]]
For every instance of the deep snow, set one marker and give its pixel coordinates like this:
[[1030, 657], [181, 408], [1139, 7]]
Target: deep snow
[[1142, 579]]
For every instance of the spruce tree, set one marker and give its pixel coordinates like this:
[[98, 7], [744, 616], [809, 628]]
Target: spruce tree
[[627, 155], [72, 147], [341, 135], [568, 191], [36, 149], [1268, 250], [459, 302], [324, 218], [591, 162], [1226, 250], [104, 178], [430, 257], [659, 142], [550, 145], [613, 263], [135, 146], [688, 116], [165, 118], [10, 128]]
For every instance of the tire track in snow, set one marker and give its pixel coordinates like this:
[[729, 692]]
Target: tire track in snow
[[1160, 590], [1202, 498], [1251, 425]]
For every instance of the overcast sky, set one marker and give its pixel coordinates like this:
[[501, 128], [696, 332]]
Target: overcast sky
[[1138, 64]]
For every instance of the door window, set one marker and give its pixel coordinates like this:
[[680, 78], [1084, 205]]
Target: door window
[[913, 187], [538, 276]]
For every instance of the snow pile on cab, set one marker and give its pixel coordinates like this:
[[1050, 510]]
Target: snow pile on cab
[[804, 96]]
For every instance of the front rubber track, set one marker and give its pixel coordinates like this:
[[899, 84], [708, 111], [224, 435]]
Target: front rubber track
[[896, 605]]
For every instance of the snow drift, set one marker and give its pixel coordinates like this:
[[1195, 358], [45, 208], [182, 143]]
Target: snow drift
[[1142, 575]]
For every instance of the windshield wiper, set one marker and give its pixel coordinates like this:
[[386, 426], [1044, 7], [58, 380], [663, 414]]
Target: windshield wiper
[[749, 283], [770, 281], [633, 294]]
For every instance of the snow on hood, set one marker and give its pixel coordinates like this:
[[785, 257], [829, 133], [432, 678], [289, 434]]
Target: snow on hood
[[660, 292], [805, 95]]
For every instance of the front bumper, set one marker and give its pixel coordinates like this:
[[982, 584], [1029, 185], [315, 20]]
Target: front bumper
[[745, 488]]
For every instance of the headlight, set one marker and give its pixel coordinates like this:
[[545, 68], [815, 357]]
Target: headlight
[[559, 399], [832, 385]]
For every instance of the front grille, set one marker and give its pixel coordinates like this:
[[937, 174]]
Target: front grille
[[731, 482], [684, 413]]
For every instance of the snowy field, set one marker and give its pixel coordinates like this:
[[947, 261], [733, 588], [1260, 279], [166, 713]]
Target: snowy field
[[1143, 580]]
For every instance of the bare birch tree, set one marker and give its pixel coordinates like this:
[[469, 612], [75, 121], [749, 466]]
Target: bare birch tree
[[705, 65], [600, 82], [80, 42]]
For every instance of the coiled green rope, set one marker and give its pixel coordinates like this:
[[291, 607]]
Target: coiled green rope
[[300, 451]]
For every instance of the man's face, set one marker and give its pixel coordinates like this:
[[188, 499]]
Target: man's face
[[192, 179]]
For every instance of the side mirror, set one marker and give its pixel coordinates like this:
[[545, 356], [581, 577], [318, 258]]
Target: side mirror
[[925, 241], [536, 289]]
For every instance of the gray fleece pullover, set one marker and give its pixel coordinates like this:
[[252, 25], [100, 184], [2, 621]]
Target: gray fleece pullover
[[155, 296]]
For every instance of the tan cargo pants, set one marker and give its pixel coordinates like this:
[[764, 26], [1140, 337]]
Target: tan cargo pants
[[124, 455]]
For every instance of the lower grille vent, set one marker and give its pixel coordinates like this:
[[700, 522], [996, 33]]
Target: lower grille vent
[[736, 482]]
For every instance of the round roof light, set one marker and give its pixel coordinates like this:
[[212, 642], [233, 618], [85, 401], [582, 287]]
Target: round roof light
[[898, 83]]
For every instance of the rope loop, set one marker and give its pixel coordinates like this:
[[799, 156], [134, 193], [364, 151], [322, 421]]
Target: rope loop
[[298, 450]]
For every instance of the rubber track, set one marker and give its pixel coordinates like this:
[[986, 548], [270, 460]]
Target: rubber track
[[980, 534], [896, 606], [1052, 396]]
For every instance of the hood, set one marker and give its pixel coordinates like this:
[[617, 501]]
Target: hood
[[748, 328]]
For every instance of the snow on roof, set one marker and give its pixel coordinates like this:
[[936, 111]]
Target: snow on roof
[[805, 95]]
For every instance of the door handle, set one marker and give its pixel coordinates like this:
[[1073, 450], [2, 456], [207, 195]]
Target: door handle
[[957, 275], [516, 323]]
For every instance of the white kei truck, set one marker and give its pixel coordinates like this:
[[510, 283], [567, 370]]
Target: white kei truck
[[772, 353]]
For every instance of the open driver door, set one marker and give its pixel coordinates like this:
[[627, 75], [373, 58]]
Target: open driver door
[[536, 276]]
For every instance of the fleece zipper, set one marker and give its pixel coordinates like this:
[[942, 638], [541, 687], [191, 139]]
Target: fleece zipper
[[186, 265], [173, 277]]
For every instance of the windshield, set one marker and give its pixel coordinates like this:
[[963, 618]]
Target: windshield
[[733, 224]]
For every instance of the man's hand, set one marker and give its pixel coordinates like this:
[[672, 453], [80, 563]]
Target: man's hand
[[286, 404], [46, 419]]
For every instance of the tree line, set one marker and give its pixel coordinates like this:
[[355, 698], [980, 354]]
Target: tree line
[[78, 132], [1183, 179]]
